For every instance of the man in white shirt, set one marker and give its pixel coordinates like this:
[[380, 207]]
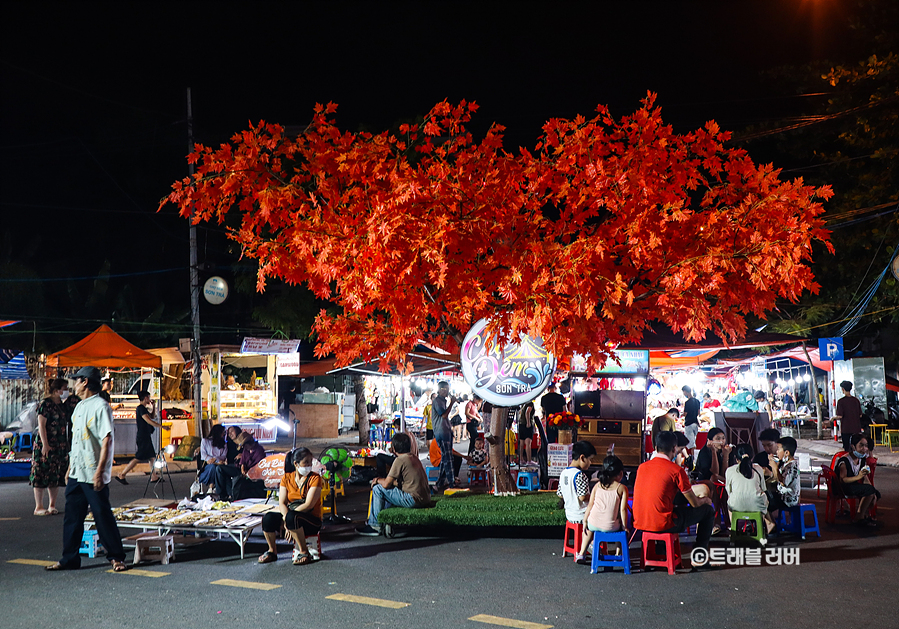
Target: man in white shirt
[[88, 476]]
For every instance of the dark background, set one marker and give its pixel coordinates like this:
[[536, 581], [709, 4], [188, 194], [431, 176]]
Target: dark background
[[94, 117]]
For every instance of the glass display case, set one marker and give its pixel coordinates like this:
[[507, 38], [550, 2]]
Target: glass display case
[[254, 404]]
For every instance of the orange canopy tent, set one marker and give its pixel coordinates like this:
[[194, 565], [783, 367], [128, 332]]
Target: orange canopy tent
[[103, 348]]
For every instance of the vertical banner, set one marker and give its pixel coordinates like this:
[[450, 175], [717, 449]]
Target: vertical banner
[[214, 396]]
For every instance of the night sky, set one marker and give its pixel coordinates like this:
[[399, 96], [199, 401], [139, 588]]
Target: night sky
[[93, 104]]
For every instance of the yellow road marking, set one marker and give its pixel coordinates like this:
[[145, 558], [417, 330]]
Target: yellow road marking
[[365, 600], [31, 562], [143, 573], [508, 622], [252, 585], [9, 519]]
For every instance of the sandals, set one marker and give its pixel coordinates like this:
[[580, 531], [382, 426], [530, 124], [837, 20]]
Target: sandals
[[41, 513], [118, 566], [301, 559], [268, 557], [121, 480], [53, 511], [56, 566]]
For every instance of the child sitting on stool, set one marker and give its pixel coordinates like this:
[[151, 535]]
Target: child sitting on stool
[[574, 488], [607, 510], [478, 458]]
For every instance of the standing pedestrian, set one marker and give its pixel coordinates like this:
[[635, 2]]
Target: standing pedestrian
[[106, 388], [472, 415], [849, 413], [551, 403], [50, 454], [147, 424], [691, 417], [90, 470], [443, 434]]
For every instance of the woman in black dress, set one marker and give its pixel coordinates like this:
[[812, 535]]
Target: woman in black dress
[[50, 454]]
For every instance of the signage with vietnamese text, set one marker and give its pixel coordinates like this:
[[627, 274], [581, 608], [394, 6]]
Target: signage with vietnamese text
[[215, 290], [558, 457], [252, 345], [514, 375], [289, 364], [270, 470]]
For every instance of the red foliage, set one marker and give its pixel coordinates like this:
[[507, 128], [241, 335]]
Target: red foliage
[[607, 226]]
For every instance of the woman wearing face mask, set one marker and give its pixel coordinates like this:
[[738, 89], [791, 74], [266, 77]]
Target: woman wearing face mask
[[854, 473], [50, 454], [299, 509], [712, 462]]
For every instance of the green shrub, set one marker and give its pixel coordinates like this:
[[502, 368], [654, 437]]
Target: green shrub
[[464, 509]]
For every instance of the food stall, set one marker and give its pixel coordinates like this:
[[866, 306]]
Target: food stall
[[240, 385]]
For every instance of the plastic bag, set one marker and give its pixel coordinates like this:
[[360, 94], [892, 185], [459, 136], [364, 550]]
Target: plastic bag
[[26, 420]]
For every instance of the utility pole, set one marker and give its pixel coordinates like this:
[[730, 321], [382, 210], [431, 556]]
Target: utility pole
[[194, 294]]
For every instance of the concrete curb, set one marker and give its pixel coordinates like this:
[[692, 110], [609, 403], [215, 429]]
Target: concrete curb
[[827, 449]]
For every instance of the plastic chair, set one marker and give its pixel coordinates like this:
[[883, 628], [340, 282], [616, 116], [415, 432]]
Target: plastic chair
[[24, 441], [433, 474], [575, 547], [651, 558], [736, 535], [600, 551], [529, 481], [797, 523], [849, 500]]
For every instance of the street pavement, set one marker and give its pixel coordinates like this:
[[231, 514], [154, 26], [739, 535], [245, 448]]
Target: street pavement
[[439, 579]]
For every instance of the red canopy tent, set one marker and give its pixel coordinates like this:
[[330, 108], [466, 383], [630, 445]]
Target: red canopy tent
[[103, 348]]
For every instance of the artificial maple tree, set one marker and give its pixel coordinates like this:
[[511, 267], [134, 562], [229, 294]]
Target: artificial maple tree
[[606, 226]]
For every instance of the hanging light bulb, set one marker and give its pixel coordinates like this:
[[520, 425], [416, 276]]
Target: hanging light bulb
[[806, 377]]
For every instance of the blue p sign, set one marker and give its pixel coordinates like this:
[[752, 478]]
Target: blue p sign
[[831, 349]]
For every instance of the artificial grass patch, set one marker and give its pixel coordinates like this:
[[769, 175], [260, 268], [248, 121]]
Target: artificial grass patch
[[526, 509]]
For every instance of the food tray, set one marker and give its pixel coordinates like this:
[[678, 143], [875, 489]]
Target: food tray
[[161, 516], [220, 520], [251, 520], [189, 518]]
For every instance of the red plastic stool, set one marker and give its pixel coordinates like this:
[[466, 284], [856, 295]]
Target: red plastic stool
[[672, 558], [477, 476], [575, 548], [553, 483]]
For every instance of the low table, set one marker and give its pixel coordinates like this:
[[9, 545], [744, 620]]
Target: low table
[[240, 535]]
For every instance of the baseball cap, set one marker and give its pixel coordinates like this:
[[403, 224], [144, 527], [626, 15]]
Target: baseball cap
[[91, 373]]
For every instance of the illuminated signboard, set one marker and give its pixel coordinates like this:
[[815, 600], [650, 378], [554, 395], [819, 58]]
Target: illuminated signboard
[[517, 374]]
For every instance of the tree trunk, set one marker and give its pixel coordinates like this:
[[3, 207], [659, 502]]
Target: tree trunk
[[814, 384], [502, 480], [361, 408]]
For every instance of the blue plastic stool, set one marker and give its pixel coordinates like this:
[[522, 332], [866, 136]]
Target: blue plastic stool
[[24, 441], [528, 480], [90, 544], [433, 474], [477, 476], [797, 523], [600, 558]]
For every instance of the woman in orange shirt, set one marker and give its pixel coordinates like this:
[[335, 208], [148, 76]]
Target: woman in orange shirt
[[299, 509]]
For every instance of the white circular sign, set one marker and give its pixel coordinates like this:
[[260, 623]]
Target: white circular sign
[[215, 290], [516, 375]]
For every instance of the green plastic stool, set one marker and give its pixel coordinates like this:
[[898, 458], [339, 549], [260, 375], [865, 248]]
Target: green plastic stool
[[750, 516]]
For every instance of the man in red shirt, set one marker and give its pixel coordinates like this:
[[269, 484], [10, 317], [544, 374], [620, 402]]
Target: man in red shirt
[[664, 501]]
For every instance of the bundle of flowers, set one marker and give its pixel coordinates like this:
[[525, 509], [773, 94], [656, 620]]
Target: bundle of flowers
[[566, 420]]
